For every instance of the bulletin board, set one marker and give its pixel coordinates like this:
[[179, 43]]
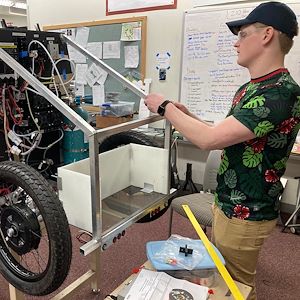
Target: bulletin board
[[210, 75], [110, 31]]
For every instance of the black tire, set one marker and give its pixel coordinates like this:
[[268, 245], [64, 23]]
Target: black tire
[[34, 226], [125, 138], [133, 137]]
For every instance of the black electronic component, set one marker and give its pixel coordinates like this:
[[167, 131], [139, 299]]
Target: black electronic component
[[185, 250], [26, 111]]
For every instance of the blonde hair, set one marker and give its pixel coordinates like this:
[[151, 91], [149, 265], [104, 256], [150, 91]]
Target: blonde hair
[[285, 42]]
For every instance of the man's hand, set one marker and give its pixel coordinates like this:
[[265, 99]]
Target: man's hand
[[153, 101]]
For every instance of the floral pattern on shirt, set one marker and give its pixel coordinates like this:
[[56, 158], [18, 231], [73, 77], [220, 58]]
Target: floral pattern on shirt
[[249, 184]]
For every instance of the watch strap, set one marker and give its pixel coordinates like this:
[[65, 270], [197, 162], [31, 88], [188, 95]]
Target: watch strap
[[162, 108]]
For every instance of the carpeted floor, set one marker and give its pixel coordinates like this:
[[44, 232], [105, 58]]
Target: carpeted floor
[[277, 275]]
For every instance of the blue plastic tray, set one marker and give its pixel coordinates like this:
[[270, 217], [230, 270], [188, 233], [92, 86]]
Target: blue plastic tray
[[153, 247]]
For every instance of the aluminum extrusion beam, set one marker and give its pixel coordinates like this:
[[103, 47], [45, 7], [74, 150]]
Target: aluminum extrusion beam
[[106, 67], [45, 92], [102, 133]]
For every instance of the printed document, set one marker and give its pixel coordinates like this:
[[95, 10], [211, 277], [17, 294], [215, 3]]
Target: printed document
[[151, 285]]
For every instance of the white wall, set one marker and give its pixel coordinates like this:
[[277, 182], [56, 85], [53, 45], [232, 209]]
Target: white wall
[[13, 20]]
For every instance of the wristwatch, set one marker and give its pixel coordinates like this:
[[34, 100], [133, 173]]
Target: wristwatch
[[162, 108]]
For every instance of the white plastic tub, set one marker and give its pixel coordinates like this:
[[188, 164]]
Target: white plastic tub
[[130, 165]]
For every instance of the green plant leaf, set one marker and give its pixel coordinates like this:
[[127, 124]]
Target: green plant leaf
[[230, 178], [263, 128], [224, 164], [251, 159], [217, 201], [255, 102], [261, 112], [252, 87], [295, 130], [280, 164], [275, 189], [296, 108], [237, 197], [277, 140]]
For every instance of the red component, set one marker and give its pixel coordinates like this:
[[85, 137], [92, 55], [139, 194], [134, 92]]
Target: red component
[[135, 270], [211, 292]]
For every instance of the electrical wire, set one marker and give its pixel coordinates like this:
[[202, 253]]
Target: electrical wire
[[73, 67], [53, 63], [55, 142], [80, 237], [30, 112], [5, 119], [25, 134]]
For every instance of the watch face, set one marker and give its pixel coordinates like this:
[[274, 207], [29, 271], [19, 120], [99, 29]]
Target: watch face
[[161, 110]]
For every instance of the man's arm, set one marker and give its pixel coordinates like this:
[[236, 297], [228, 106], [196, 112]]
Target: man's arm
[[187, 112], [228, 132]]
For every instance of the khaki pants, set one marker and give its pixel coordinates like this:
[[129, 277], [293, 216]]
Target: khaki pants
[[240, 241]]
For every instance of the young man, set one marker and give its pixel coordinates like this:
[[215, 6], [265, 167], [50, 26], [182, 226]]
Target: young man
[[257, 137]]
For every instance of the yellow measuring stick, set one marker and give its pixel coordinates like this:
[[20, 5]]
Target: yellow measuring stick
[[223, 271]]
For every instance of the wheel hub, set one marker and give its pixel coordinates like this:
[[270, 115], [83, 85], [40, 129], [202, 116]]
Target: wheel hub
[[20, 228]]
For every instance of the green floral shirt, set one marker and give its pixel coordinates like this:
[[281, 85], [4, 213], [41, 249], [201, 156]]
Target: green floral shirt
[[249, 184]]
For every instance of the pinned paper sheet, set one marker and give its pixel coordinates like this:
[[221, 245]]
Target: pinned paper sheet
[[81, 73], [79, 90], [95, 74], [131, 31], [131, 54], [95, 48], [98, 94], [82, 36], [103, 76], [92, 75], [111, 49], [76, 56]]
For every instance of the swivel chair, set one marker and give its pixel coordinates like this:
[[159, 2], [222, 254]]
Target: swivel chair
[[200, 203]]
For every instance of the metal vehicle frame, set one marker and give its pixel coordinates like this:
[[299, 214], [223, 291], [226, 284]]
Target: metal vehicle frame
[[92, 248]]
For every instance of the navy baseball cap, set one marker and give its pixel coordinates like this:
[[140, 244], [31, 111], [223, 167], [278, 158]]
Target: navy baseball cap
[[275, 14]]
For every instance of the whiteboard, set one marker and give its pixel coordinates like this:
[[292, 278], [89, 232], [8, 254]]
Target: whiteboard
[[210, 75]]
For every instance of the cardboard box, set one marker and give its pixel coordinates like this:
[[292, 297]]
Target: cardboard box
[[106, 121], [91, 108]]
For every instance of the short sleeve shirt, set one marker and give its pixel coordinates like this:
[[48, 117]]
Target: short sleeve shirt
[[249, 184]]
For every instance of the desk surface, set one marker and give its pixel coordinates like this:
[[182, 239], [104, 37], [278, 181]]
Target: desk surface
[[220, 289]]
